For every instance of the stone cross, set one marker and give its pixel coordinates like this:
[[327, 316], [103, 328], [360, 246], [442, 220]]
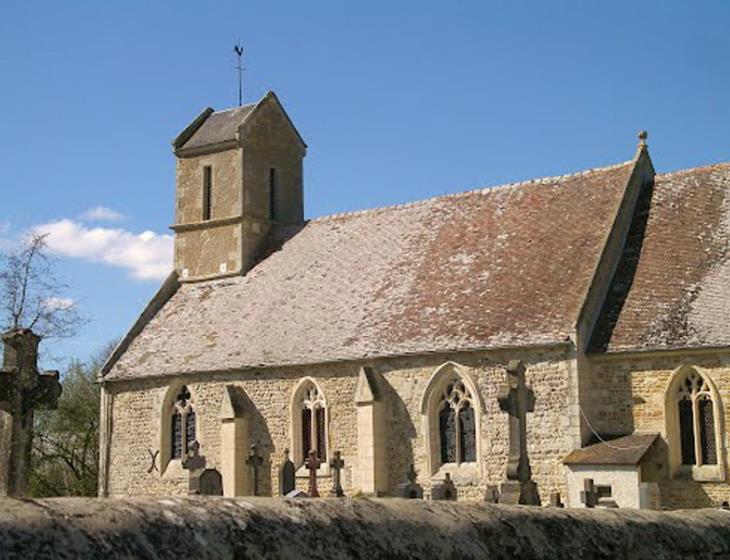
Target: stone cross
[[517, 399], [312, 463], [255, 461], [23, 389], [287, 475], [194, 461], [337, 463]]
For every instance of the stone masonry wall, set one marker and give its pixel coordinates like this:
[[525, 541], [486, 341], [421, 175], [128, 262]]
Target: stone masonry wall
[[270, 142], [136, 417], [219, 528], [630, 396], [226, 186]]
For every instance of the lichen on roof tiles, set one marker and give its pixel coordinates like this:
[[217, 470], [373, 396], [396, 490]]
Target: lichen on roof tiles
[[672, 288], [507, 266]]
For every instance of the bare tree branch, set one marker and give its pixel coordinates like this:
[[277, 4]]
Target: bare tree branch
[[31, 293]]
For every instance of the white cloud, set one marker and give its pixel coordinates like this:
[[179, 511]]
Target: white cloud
[[55, 303], [147, 255], [102, 214]]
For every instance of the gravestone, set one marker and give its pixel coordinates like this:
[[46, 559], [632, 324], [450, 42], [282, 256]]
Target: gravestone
[[491, 495], [444, 490], [337, 464], [255, 461], [410, 489], [517, 399], [207, 482], [287, 475], [313, 463], [588, 495], [23, 390]]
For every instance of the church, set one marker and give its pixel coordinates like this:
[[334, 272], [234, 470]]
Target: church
[[388, 336]]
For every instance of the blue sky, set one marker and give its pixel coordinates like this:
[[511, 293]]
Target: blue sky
[[397, 101]]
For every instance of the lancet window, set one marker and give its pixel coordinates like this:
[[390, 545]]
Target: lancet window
[[312, 409], [182, 427], [456, 423]]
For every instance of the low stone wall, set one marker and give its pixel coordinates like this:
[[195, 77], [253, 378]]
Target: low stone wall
[[359, 528]]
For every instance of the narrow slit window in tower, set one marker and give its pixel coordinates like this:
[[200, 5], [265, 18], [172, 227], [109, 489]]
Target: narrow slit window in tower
[[273, 214], [207, 188]]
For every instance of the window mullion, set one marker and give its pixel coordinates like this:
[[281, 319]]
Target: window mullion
[[696, 428]]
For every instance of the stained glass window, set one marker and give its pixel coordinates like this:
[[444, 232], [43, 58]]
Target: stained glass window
[[696, 421], [447, 428], [321, 438], [686, 427], [176, 433], [314, 423], [306, 431], [467, 432], [182, 427], [707, 432], [457, 429]]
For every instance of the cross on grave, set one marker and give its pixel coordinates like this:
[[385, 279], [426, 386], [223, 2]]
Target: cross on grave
[[255, 461], [337, 464], [517, 399], [287, 475], [23, 389], [194, 461], [313, 463]]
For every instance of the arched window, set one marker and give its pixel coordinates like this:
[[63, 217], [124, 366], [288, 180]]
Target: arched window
[[182, 424], [696, 417], [451, 410], [309, 422], [457, 431]]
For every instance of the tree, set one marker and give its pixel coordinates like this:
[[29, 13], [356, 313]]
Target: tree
[[65, 459], [31, 293]]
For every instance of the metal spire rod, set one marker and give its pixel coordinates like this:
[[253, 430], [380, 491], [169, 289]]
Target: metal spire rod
[[238, 49]]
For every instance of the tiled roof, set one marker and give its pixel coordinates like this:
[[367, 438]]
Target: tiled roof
[[496, 267], [220, 126], [672, 288], [626, 450]]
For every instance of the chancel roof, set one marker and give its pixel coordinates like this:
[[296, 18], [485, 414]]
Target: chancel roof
[[497, 267], [672, 287]]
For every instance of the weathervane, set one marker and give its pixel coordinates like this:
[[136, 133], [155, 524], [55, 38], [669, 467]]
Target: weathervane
[[238, 49]]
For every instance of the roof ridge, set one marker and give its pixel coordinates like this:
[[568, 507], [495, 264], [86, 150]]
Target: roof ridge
[[692, 169], [228, 109], [464, 194]]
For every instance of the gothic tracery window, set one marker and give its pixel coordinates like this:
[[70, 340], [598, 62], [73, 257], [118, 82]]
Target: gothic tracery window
[[182, 429], [456, 422], [696, 416], [313, 422]]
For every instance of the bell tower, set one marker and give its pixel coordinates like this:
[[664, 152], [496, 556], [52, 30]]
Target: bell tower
[[238, 173]]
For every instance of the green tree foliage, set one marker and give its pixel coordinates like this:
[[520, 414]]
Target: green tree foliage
[[65, 458]]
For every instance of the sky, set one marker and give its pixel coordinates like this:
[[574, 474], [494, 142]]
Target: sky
[[397, 101]]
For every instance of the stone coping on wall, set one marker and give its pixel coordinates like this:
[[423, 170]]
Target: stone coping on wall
[[204, 527]]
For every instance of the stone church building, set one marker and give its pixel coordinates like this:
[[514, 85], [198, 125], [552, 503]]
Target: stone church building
[[385, 334]]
